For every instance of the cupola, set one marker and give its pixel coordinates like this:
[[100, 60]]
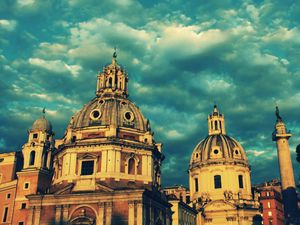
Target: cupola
[[216, 122], [113, 80]]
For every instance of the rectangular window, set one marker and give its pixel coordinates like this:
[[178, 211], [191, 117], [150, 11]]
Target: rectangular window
[[5, 215], [218, 183], [8, 196], [35, 135], [241, 183], [23, 206], [87, 167], [21, 223], [26, 185], [196, 185]]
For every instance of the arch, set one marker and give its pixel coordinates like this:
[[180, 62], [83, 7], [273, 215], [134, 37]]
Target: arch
[[218, 181], [32, 158], [216, 125], [82, 206], [131, 166]]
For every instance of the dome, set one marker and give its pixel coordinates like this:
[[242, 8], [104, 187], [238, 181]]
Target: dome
[[42, 124], [218, 147], [105, 111]]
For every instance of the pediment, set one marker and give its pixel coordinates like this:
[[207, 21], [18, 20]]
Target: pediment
[[65, 190], [87, 156], [219, 205], [104, 188]]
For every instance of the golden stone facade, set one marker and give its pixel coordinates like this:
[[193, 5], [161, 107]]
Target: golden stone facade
[[219, 177]]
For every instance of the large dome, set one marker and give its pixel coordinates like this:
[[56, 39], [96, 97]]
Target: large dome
[[218, 147], [42, 124], [105, 111]]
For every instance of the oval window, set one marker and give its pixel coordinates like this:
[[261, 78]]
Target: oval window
[[236, 152], [128, 116], [95, 114]]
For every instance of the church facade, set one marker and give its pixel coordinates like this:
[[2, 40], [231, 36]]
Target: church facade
[[104, 171], [219, 178]]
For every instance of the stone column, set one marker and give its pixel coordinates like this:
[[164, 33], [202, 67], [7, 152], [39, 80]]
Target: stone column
[[37, 215], [65, 214], [58, 214], [139, 216], [100, 216], [108, 206], [131, 213]]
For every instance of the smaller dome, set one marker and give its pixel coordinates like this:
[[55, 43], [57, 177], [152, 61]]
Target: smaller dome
[[42, 124], [218, 148]]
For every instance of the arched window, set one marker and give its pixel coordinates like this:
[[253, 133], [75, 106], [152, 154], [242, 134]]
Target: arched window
[[216, 125], [131, 166], [241, 183], [110, 82], [32, 158], [218, 182]]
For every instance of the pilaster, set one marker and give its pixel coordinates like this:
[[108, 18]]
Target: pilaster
[[37, 215], [108, 206], [100, 217], [58, 214], [131, 213]]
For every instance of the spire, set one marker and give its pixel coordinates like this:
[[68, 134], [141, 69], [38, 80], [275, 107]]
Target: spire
[[113, 80], [216, 122]]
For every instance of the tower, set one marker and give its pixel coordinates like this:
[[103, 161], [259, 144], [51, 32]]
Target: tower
[[219, 177], [281, 136]]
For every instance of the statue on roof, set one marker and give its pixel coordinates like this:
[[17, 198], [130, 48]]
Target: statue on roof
[[279, 119]]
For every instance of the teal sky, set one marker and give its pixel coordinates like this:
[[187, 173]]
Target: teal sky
[[181, 57]]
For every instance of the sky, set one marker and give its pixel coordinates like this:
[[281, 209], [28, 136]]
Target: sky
[[181, 56]]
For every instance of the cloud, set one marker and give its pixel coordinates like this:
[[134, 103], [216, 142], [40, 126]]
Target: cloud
[[7, 25], [181, 57], [56, 66]]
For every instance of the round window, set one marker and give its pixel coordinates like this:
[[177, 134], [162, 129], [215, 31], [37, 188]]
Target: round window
[[95, 114], [128, 116], [216, 151]]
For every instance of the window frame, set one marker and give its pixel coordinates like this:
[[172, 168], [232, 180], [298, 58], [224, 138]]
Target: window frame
[[87, 160], [218, 180], [241, 181]]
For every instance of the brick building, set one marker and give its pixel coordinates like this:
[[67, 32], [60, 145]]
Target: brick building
[[271, 203]]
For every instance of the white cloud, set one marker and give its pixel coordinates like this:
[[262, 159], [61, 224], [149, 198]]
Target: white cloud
[[25, 2], [174, 134], [57, 66], [8, 25], [255, 152]]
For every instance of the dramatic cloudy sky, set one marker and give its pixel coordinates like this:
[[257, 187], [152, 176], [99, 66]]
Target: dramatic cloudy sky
[[181, 57]]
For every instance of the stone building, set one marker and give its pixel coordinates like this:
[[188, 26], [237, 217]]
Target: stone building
[[183, 213], [219, 178], [105, 170]]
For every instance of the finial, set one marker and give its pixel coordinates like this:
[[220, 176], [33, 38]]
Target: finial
[[279, 119], [44, 112]]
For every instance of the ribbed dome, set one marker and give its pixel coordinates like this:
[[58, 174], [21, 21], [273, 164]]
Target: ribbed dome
[[104, 111], [218, 147], [42, 124]]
